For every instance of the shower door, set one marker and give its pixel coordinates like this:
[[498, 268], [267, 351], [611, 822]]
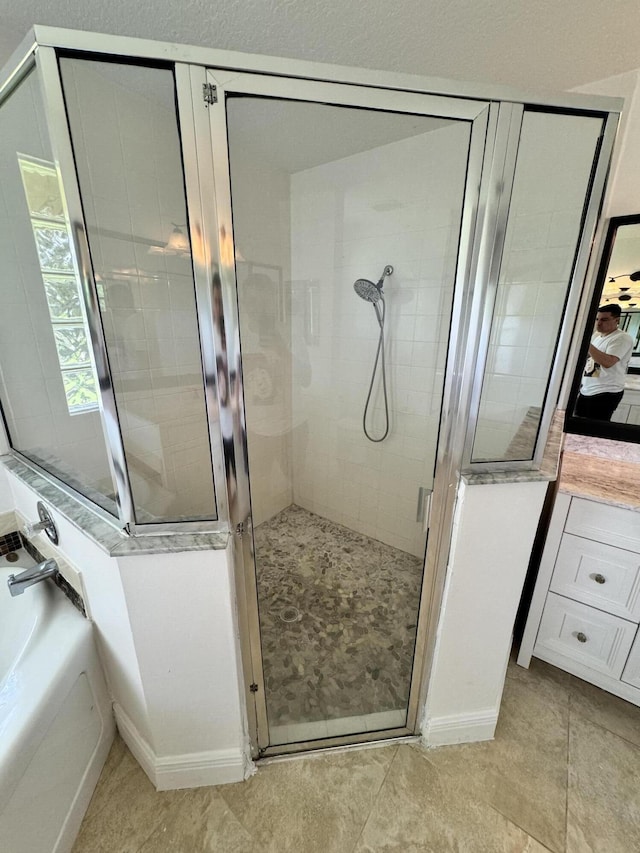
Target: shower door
[[317, 186]]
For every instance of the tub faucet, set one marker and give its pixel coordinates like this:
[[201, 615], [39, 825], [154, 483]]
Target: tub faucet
[[18, 583]]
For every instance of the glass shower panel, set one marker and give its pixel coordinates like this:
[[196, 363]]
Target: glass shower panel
[[556, 155], [49, 391], [323, 196], [124, 131]]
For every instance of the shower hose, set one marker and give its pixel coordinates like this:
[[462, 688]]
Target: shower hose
[[379, 358]]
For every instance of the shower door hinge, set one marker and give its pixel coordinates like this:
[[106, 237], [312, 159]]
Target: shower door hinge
[[424, 507], [209, 93], [253, 688]]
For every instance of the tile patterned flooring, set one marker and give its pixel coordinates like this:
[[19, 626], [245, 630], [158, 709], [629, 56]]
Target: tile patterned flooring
[[561, 776], [353, 604]]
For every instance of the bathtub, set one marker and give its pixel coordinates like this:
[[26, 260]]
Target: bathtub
[[56, 724]]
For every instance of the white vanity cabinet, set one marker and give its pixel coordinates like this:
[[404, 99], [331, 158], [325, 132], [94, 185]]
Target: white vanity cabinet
[[585, 608], [631, 673]]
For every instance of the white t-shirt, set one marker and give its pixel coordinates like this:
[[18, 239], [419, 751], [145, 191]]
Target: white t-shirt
[[608, 380]]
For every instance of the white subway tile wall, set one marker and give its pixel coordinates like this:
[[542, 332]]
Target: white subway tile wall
[[397, 204]]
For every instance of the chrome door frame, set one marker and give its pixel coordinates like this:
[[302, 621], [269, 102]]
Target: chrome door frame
[[50, 79], [567, 344], [207, 57], [467, 297]]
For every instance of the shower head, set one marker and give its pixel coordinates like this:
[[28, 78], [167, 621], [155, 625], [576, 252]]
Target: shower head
[[369, 291]]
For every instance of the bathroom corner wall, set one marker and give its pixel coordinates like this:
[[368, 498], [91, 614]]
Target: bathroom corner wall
[[181, 609], [487, 566], [396, 204]]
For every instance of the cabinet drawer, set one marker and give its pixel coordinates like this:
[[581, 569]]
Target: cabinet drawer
[[599, 575], [603, 523], [631, 672], [595, 639]]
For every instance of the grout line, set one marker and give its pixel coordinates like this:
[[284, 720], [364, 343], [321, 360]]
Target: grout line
[[472, 797], [219, 789], [375, 799], [527, 832], [580, 713], [161, 818]]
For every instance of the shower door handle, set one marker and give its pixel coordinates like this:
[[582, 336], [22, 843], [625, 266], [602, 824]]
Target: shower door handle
[[424, 506]]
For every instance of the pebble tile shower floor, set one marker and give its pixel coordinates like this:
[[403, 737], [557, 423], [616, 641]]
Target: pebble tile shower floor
[[349, 649]]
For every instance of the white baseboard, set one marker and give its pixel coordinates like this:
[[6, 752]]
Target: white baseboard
[[460, 728], [191, 770]]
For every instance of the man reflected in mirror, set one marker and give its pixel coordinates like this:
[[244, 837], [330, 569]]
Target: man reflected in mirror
[[605, 373]]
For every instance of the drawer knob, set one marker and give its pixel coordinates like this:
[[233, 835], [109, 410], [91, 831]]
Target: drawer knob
[[582, 638], [599, 578]]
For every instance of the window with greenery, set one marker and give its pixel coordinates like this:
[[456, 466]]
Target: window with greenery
[[61, 285]]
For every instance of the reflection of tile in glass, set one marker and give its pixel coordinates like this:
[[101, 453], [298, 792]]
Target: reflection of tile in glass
[[509, 360]]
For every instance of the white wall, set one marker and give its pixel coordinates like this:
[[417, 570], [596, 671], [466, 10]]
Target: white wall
[[493, 534], [181, 609], [6, 496], [623, 192], [397, 204]]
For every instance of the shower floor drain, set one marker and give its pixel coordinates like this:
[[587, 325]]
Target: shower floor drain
[[290, 614]]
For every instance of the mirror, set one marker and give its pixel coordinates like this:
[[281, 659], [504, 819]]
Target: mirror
[[605, 396]]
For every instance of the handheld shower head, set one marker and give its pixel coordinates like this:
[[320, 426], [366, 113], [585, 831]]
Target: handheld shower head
[[367, 290], [370, 291]]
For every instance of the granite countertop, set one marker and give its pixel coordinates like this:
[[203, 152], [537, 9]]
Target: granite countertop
[[602, 470]]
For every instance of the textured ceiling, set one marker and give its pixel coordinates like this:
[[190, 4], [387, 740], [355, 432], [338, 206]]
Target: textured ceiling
[[544, 44]]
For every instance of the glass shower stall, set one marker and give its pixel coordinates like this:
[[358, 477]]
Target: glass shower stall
[[184, 349]]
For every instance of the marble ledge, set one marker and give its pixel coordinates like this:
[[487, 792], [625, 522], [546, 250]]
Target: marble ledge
[[484, 478], [107, 536], [547, 472]]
